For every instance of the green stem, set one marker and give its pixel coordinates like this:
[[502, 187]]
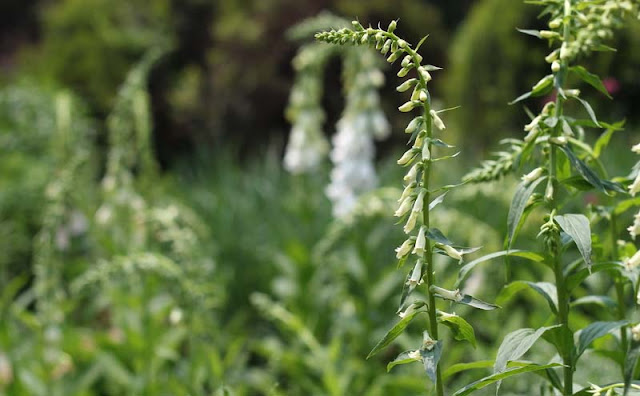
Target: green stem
[[619, 283], [431, 278]]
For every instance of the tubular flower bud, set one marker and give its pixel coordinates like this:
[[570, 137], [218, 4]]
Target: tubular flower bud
[[402, 43], [437, 121], [403, 72], [552, 56], [386, 47], [416, 275], [407, 157], [404, 249], [406, 61], [572, 92], [417, 207], [555, 66], [424, 73], [533, 175], [392, 26], [542, 83], [421, 242], [408, 190], [419, 140], [408, 106], [411, 222], [559, 140], [423, 96], [405, 206], [412, 174], [406, 85], [426, 154], [549, 34], [413, 125], [555, 23], [636, 148], [533, 123], [410, 310], [394, 56], [451, 252]]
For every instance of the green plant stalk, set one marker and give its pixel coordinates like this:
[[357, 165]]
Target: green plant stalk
[[426, 175], [563, 298], [618, 284]]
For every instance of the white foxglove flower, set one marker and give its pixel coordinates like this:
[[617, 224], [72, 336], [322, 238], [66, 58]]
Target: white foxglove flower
[[412, 174], [421, 242], [451, 252], [533, 175], [416, 275], [635, 332], [408, 190], [634, 229], [411, 222], [633, 261], [405, 207], [437, 121], [404, 249], [407, 157]]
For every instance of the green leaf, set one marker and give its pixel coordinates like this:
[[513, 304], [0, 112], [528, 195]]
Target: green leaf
[[402, 358], [591, 79], [534, 33], [602, 142], [520, 98], [461, 329], [625, 205], [630, 362], [518, 204], [595, 330], [578, 228], [418, 307], [437, 201], [498, 377], [436, 235], [576, 278], [466, 269], [582, 168], [460, 367], [602, 301], [545, 289], [431, 358], [516, 344], [590, 111]]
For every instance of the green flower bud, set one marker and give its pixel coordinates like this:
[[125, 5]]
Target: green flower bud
[[403, 72], [385, 47], [437, 121], [423, 95], [555, 66], [406, 85], [424, 73], [392, 26], [413, 125], [408, 106], [357, 26], [404, 249], [402, 43], [406, 61], [426, 154], [549, 34], [407, 157], [552, 56], [364, 39], [556, 23], [393, 57]]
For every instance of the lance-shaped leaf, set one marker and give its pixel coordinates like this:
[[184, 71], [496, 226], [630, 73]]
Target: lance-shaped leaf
[[518, 204], [405, 358], [530, 32], [587, 173], [545, 289], [515, 345], [590, 111], [498, 377], [430, 358], [601, 301], [466, 269], [576, 278], [583, 338], [590, 78], [436, 235], [461, 329], [460, 367], [461, 298], [437, 201], [414, 309], [578, 228]]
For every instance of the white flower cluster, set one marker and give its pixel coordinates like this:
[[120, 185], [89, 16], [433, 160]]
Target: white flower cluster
[[307, 145], [353, 147]]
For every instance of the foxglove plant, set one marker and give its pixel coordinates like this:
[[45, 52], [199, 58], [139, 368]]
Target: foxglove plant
[[554, 145], [415, 204], [362, 121], [307, 145]]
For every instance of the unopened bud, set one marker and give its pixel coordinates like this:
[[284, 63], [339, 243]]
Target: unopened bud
[[408, 106], [392, 26], [406, 85], [555, 66]]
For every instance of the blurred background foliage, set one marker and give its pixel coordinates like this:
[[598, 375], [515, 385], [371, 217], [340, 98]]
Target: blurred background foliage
[[150, 240]]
